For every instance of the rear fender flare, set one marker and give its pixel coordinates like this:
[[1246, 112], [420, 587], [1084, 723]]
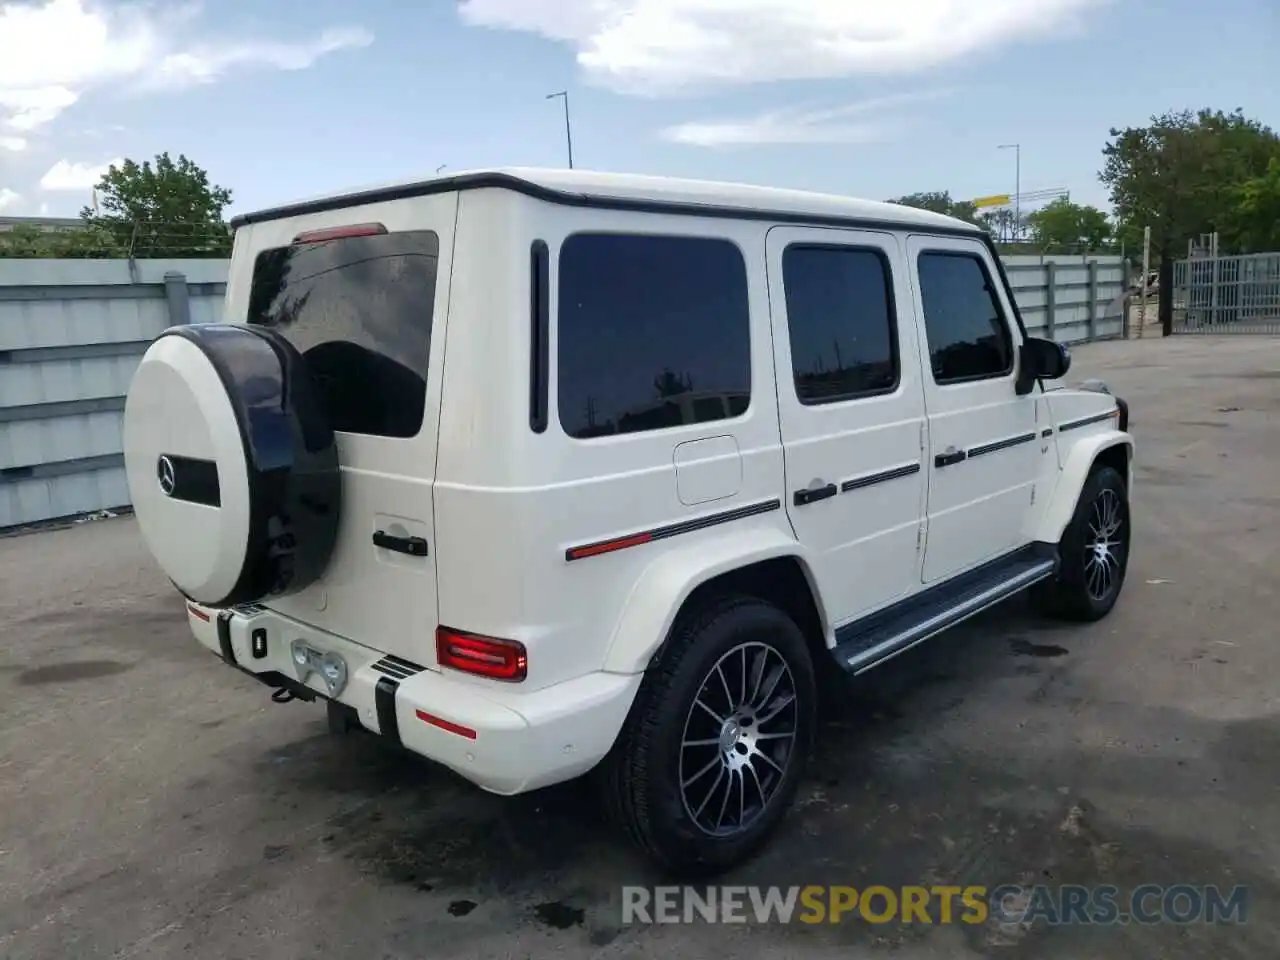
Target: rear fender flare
[[665, 585], [1076, 466]]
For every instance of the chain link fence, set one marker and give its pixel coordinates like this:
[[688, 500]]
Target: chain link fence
[[1239, 294]]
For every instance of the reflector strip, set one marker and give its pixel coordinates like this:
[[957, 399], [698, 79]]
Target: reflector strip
[[198, 614], [447, 725], [608, 546], [670, 530]]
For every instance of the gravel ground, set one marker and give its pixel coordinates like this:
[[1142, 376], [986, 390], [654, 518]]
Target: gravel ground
[[154, 803]]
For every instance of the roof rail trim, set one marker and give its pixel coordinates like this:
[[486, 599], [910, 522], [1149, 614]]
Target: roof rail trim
[[505, 181]]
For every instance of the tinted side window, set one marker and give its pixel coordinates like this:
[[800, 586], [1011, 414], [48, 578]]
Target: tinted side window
[[968, 337], [654, 332], [841, 321], [360, 310]]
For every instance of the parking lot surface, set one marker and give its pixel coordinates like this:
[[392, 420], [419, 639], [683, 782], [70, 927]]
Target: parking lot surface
[[154, 803]]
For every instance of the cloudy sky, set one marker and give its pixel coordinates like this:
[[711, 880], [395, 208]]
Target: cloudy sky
[[866, 97]]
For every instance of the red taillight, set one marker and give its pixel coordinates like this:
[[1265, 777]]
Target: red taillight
[[341, 233], [198, 614], [483, 656]]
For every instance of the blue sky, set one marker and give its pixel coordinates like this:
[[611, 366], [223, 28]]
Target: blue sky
[[287, 99]]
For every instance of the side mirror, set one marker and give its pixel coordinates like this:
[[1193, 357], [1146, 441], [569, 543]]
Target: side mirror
[[1041, 360]]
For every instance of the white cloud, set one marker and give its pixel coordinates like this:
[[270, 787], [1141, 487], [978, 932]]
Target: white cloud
[[53, 51], [851, 123], [666, 46], [15, 144], [206, 64], [8, 198], [66, 175], [36, 106]]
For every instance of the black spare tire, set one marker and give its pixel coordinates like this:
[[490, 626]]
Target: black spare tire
[[231, 463]]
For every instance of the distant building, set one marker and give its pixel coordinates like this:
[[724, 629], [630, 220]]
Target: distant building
[[43, 224]]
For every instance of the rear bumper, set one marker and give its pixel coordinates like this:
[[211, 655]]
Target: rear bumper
[[504, 740]]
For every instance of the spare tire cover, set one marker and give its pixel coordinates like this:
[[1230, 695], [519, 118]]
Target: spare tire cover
[[231, 464]]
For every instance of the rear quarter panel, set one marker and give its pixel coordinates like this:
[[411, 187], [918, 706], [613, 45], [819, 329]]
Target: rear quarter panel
[[509, 502]]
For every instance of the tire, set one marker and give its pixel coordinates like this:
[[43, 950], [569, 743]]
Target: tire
[[688, 694], [1089, 582], [231, 464]]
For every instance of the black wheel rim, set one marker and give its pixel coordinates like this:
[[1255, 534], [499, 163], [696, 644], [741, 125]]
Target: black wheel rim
[[739, 739], [1106, 544]]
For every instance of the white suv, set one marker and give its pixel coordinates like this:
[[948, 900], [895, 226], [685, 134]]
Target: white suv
[[538, 473]]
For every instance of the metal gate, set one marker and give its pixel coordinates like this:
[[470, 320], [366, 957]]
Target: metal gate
[[1227, 294]]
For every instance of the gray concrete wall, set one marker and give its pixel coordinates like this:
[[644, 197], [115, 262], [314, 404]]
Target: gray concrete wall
[[71, 335], [72, 332], [1070, 299]]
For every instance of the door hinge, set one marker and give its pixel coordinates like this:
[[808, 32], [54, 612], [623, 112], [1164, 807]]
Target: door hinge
[[919, 536], [1033, 496], [922, 436]]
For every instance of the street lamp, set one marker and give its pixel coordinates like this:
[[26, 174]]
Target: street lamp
[[568, 130], [1017, 184]]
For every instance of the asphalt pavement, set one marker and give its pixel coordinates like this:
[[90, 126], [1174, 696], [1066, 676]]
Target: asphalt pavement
[[156, 804]]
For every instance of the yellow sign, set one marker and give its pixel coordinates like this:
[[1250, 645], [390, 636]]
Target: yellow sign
[[998, 200]]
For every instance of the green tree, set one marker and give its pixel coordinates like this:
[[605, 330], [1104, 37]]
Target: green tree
[[1253, 222], [24, 241], [940, 202], [1001, 223], [28, 242], [167, 208], [1066, 227], [1181, 174]]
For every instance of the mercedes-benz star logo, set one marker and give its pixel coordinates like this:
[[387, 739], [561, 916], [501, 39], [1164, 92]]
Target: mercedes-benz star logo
[[167, 476]]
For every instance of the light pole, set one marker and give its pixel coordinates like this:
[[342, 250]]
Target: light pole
[[568, 130], [1017, 184]]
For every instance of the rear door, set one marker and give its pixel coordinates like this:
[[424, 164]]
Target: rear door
[[363, 294], [851, 411]]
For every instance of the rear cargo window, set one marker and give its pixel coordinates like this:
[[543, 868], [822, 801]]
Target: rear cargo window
[[359, 309]]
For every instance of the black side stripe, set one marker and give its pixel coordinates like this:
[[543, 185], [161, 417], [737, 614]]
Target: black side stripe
[[670, 530], [384, 701], [884, 476], [224, 638], [1001, 444], [1086, 421]]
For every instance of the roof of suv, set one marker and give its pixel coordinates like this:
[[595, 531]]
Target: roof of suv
[[633, 191]]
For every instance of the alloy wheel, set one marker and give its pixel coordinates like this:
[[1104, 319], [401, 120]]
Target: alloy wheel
[[739, 739], [1105, 545]]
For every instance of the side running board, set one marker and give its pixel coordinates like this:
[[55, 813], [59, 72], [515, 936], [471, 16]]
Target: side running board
[[869, 642]]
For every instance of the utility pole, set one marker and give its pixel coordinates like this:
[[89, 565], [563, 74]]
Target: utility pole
[[1017, 185], [568, 129]]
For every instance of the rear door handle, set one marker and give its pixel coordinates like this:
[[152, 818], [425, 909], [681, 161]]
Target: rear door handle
[[814, 494], [949, 457], [413, 546]]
